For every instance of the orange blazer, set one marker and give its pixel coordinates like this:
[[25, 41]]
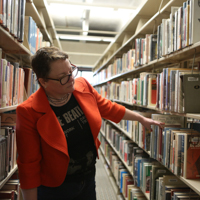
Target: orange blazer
[[42, 147]]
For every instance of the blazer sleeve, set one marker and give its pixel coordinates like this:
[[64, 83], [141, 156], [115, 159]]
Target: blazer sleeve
[[108, 109], [28, 147]]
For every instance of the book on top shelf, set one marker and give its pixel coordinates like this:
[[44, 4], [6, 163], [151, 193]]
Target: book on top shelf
[[194, 22], [8, 15], [4, 12], [172, 27], [179, 28]]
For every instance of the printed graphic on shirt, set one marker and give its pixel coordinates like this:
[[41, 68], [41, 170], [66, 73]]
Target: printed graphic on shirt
[[69, 117]]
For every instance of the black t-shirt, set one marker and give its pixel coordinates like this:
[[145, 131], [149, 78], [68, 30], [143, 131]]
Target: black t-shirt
[[81, 147]]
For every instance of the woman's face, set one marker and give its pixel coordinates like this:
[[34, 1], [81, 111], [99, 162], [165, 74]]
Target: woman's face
[[59, 69]]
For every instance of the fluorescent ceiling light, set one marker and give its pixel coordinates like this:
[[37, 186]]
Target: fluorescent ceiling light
[[85, 38]]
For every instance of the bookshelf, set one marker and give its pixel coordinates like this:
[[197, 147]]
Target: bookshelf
[[109, 173], [181, 55], [137, 29], [187, 115], [18, 52], [129, 168], [31, 10], [8, 108], [193, 184], [154, 15]]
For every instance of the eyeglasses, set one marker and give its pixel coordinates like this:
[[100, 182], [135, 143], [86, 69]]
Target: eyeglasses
[[63, 80]]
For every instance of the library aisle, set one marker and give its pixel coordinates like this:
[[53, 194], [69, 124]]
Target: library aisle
[[104, 188]]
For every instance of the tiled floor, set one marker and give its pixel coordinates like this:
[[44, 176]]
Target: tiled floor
[[104, 188]]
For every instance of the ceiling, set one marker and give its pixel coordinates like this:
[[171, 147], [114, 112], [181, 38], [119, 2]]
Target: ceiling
[[86, 27]]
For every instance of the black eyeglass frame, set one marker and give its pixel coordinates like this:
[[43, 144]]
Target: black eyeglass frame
[[75, 67]]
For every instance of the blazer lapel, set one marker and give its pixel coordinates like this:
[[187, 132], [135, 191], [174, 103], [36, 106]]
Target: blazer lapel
[[88, 104], [48, 125]]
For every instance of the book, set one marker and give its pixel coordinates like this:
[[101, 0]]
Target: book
[[8, 15], [4, 82], [175, 29], [178, 89], [163, 36], [187, 28], [4, 12], [191, 87], [122, 171], [159, 45], [3, 157], [167, 145], [179, 28], [191, 156], [172, 24], [1, 11], [170, 84], [194, 22], [173, 146], [153, 47]]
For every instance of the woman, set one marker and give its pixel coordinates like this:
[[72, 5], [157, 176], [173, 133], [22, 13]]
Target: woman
[[57, 129]]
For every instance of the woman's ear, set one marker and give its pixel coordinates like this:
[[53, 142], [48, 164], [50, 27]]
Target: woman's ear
[[42, 82]]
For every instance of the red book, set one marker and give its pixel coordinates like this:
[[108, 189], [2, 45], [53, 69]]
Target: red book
[[129, 181], [153, 91], [134, 90], [192, 157], [1, 11]]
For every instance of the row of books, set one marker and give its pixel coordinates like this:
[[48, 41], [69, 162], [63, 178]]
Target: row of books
[[118, 171], [24, 28], [8, 150], [30, 82], [11, 84], [180, 30], [13, 81], [175, 33], [176, 147], [33, 35], [12, 15], [165, 91], [148, 177]]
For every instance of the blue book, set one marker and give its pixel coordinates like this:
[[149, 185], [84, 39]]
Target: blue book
[[138, 172], [121, 178], [182, 154]]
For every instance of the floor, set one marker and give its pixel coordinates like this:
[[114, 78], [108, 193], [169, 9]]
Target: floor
[[104, 188]]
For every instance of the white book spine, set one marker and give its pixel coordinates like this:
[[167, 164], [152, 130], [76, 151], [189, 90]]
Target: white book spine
[[175, 29]]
